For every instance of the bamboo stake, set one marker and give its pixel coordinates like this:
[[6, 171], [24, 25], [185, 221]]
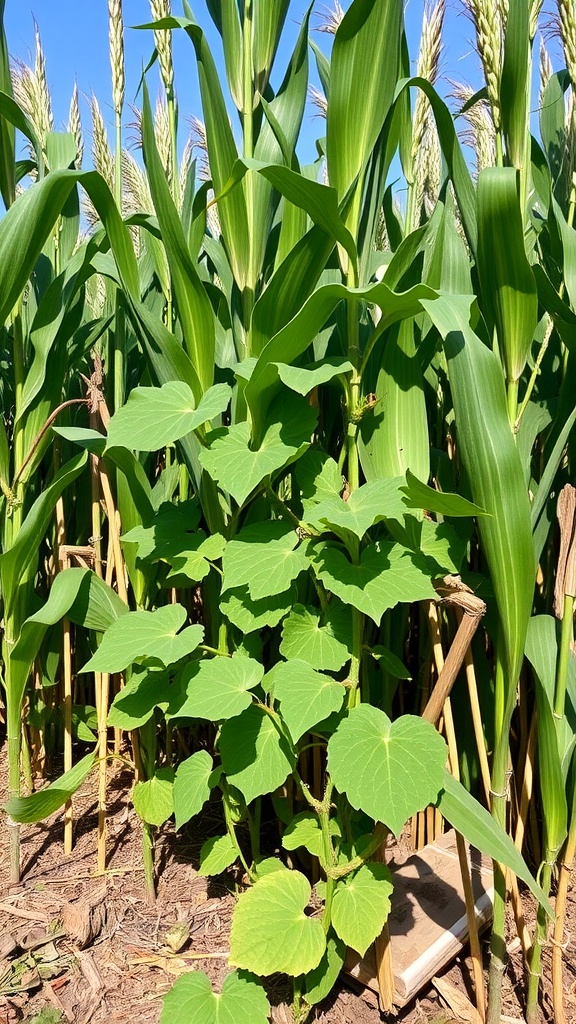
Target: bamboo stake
[[62, 563], [445, 671], [477, 718], [100, 680], [67, 658], [558, 942], [383, 956]]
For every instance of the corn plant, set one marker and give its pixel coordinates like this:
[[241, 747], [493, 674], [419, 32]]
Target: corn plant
[[323, 404]]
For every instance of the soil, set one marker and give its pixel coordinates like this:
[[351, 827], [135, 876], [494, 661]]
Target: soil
[[90, 948]]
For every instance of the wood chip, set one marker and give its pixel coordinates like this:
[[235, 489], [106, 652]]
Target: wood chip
[[83, 920], [457, 1001], [27, 915]]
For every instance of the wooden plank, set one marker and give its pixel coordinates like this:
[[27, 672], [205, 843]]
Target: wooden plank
[[427, 923]]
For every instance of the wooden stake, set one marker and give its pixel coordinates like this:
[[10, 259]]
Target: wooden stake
[[67, 658], [558, 939], [451, 672], [383, 956]]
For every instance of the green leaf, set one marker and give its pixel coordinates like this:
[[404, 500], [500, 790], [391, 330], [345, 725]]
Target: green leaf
[[515, 84], [419, 495], [242, 1001], [192, 786], [320, 981], [154, 799], [270, 931], [319, 478], [389, 770], [217, 854], [306, 696], [145, 690], [171, 529], [155, 417], [391, 662], [193, 305], [304, 379], [307, 321], [394, 432], [474, 822], [319, 201], [265, 557], [219, 688], [363, 77], [322, 646], [37, 806], [238, 468], [193, 561], [369, 504], [249, 615], [361, 906], [146, 635], [304, 830], [506, 278], [387, 574], [496, 476], [255, 758], [18, 562]]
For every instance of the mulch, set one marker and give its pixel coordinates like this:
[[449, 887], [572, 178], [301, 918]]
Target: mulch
[[92, 950]]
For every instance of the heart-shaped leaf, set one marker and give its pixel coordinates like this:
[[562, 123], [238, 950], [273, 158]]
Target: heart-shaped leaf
[[155, 417], [217, 854], [369, 504], [389, 770], [238, 468], [256, 759], [388, 573], [265, 557], [154, 799], [361, 905], [219, 688], [242, 1001], [249, 615], [192, 786], [271, 932], [306, 696], [146, 635], [323, 645]]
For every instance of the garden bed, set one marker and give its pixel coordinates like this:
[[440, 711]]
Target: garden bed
[[127, 966]]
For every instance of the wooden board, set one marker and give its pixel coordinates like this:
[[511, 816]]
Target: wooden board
[[427, 923]]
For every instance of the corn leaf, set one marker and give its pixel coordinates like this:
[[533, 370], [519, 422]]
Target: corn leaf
[[194, 308], [37, 806], [474, 822], [506, 278], [494, 470], [363, 78]]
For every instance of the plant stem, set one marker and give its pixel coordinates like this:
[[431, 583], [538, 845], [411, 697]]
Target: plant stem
[[566, 638], [558, 940], [535, 967], [499, 773], [512, 399], [14, 734]]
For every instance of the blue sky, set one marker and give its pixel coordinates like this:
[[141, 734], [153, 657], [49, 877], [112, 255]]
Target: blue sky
[[75, 40]]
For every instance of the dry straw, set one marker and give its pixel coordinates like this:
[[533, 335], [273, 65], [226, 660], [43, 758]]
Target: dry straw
[[116, 37], [163, 41]]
